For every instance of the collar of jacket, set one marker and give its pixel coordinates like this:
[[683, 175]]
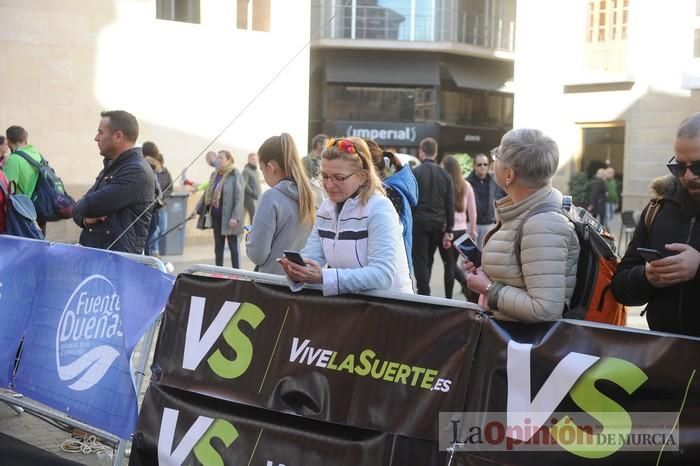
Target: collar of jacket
[[507, 210], [124, 157], [676, 193]]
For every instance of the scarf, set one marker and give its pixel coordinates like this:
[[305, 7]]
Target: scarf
[[215, 190]]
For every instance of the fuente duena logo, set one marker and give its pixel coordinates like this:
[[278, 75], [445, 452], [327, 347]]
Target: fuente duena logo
[[89, 333]]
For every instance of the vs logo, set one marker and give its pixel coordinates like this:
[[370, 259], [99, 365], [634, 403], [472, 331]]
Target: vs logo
[[226, 322], [197, 439], [575, 375]]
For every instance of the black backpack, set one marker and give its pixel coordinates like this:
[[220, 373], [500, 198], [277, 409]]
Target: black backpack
[[50, 198], [20, 215]]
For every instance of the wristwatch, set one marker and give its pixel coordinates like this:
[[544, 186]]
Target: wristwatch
[[488, 287]]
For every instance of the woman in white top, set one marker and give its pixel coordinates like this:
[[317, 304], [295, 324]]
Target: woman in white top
[[357, 233]]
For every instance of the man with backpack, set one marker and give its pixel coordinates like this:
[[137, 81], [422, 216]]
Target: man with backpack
[[660, 266], [17, 168], [116, 212]]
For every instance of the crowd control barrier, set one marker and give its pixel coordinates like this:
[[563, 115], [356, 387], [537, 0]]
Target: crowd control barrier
[[247, 372], [85, 321]]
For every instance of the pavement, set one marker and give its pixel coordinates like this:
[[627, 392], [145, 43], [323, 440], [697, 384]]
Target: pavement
[[44, 435]]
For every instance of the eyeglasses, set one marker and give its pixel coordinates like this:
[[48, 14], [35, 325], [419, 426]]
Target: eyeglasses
[[336, 178], [678, 168], [496, 153], [482, 164]]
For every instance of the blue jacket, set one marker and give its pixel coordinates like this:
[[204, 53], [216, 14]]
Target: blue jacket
[[404, 183]]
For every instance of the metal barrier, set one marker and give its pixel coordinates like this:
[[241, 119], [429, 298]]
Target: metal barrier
[[268, 278], [144, 351]]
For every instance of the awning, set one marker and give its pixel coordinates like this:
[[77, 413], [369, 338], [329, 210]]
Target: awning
[[480, 74], [383, 70]]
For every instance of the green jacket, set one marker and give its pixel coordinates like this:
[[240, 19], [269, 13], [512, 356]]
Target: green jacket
[[18, 170]]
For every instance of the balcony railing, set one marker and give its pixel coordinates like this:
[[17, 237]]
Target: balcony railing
[[333, 20]]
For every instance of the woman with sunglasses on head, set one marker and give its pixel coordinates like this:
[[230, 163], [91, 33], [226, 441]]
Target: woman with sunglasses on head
[[537, 284], [286, 212], [357, 234]]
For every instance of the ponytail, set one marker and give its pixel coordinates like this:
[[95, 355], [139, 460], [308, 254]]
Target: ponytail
[[283, 150]]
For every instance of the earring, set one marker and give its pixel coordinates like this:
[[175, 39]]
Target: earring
[[507, 184]]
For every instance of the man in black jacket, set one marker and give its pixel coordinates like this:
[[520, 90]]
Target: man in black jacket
[[433, 216], [486, 193], [670, 285], [124, 190]]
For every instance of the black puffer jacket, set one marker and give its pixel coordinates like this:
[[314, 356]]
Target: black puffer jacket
[[123, 190], [673, 309]]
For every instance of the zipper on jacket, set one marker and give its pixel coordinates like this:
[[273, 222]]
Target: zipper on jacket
[[682, 287]]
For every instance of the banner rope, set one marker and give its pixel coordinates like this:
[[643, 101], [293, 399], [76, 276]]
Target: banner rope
[[675, 424], [235, 118]]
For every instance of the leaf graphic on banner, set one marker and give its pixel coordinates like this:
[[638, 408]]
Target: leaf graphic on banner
[[97, 362]]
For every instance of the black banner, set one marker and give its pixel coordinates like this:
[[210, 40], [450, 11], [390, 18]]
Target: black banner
[[372, 363], [178, 427], [617, 380]]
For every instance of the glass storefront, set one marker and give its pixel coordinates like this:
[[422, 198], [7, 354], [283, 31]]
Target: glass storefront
[[476, 108], [365, 103]]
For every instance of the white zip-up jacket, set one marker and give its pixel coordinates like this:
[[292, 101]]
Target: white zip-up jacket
[[362, 246]]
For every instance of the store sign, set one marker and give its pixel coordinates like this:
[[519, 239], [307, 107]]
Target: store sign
[[383, 133]]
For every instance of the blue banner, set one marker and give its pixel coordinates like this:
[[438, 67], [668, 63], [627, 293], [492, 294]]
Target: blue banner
[[81, 312]]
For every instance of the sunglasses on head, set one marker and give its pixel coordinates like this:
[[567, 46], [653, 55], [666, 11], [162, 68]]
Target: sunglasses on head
[[345, 145], [678, 168]]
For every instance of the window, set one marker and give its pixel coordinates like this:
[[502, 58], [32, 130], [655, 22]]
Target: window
[[253, 15], [476, 108], [178, 10], [396, 104], [607, 20]]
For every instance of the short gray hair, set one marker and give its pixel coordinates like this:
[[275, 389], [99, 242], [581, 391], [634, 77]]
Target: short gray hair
[[690, 127], [533, 156]]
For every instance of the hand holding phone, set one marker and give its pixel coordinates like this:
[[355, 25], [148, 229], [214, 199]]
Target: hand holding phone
[[649, 255], [468, 249], [295, 257]]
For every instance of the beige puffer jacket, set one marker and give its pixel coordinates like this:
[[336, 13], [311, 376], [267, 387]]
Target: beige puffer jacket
[[549, 256]]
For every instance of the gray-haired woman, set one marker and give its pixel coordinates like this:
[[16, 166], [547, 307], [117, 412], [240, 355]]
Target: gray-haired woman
[[538, 286]]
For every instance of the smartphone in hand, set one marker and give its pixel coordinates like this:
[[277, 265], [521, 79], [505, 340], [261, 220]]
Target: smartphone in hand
[[468, 249], [649, 255], [295, 257]]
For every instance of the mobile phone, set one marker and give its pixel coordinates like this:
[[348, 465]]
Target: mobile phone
[[649, 255], [295, 257], [247, 227], [468, 249]]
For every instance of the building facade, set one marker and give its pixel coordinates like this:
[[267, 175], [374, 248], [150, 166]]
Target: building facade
[[610, 80], [189, 70], [400, 70]]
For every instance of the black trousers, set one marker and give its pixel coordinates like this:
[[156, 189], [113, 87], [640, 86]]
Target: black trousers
[[426, 239], [219, 241], [453, 272]]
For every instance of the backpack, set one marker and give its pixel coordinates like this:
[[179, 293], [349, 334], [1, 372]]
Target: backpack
[[598, 260], [19, 213], [50, 198]]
